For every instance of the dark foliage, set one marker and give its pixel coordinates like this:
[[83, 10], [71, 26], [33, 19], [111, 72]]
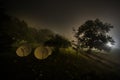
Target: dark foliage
[[14, 31], [58, 41], [93, 34]]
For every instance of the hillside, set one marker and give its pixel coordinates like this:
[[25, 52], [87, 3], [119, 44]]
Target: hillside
[[59, 66]]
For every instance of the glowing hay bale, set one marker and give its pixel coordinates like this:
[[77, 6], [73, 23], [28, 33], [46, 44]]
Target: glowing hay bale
[[49, 50], [42, 52], [23, 50]]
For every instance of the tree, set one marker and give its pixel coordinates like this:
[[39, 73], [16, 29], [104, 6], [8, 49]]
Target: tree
[[44, 35], [93, 34], [5, 39], [12, 30], [57, 42]]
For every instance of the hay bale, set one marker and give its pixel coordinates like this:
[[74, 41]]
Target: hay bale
[[24, 50], [49, 50], [42, 52]]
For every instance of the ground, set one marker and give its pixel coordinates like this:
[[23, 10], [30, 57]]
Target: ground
[[59, 66]]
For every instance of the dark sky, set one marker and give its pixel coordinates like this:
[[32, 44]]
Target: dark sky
[[61, 15]]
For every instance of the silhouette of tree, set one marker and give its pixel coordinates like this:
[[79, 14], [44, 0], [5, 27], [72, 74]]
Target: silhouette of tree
[[57, 42], [4, 38], [11, 29], [14, 31], [93, 34], [44, 35]]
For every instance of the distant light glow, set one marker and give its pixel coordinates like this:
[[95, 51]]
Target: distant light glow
[[109, 44]]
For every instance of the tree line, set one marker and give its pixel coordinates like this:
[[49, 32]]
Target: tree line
[[92, 34]]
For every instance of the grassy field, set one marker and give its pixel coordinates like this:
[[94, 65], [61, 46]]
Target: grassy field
[[62, 65]]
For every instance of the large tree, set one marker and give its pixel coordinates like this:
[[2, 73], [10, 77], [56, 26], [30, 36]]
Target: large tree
[[93, 34]]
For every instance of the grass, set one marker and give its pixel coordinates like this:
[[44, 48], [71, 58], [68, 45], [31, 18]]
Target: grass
[[63, 65]]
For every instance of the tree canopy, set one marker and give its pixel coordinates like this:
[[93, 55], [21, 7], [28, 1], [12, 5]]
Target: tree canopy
[[14, 31], [93, 34], [58, 41]]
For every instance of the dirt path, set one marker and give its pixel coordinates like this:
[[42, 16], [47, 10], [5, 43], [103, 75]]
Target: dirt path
[[104, 60]]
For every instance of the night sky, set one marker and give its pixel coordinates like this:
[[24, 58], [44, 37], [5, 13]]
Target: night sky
[[61, 15]]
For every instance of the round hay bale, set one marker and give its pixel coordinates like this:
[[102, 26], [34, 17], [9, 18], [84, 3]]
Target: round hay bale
[[49, 50], [42, 52], [23, 50]]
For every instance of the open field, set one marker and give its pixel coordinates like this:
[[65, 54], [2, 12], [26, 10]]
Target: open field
[[60, 66]]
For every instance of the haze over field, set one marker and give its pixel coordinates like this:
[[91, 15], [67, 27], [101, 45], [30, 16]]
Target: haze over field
[[60, 39], [62, 15]]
